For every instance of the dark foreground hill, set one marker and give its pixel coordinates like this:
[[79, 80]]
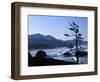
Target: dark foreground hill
[[41, 59]]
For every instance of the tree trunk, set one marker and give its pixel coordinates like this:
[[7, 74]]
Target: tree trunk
[[76, 54]]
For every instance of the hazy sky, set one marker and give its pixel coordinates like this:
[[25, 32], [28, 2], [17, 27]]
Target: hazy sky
[[56, 26]]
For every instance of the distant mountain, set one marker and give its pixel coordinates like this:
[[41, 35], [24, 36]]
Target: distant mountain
[[47, 37], [39, 41]]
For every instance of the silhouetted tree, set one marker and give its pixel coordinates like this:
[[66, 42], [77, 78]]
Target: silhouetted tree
[[41, 54], [78, 36]]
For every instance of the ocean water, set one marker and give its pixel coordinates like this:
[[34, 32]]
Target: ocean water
[[57, 53]]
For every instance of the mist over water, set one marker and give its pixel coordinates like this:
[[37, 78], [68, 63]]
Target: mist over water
[[57, 53]]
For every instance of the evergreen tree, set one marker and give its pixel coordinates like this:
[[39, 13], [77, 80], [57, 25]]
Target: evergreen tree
[[78, 37]]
